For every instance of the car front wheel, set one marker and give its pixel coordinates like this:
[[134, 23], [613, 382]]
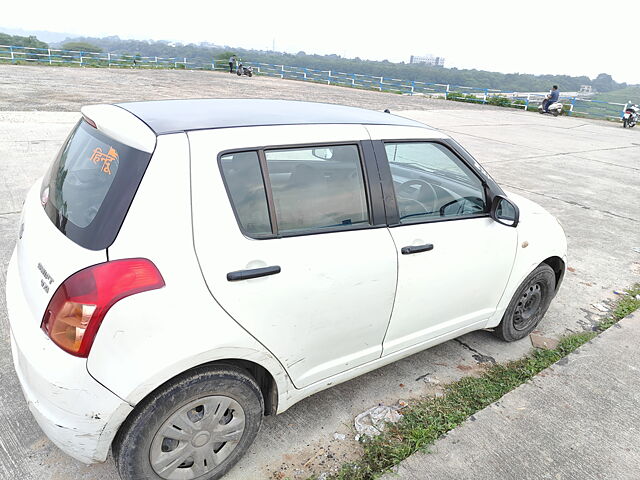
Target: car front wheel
[[528, 305], [194, 427]]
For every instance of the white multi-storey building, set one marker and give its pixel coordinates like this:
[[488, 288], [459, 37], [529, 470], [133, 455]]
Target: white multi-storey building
[[428, 60]]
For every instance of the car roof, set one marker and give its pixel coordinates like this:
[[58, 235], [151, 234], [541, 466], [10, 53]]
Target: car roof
[[170, 116]]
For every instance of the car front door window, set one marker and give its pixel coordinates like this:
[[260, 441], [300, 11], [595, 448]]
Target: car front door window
[[431, 183]]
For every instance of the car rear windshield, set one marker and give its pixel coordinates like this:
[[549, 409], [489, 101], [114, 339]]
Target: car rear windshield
[[90, 185]]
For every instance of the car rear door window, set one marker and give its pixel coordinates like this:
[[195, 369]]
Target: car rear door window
[[431, 183], [319, 188], [243, 178]]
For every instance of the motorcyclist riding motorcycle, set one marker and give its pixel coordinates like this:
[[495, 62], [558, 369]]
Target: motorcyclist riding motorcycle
[[630, 116], [552, 98], [550, 104]]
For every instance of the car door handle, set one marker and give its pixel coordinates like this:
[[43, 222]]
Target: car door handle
[[252, 273], [416, 249]]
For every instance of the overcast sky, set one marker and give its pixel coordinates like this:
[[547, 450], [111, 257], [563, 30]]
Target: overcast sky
[[564, 37]]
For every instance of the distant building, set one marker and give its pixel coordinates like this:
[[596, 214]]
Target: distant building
[[427, 60], [586, 89]]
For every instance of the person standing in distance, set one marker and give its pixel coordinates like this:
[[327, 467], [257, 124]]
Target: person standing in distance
[[232, 60]]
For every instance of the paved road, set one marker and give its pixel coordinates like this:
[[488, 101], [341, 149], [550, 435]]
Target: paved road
[[584, 172], [579, 418], [64, 89]]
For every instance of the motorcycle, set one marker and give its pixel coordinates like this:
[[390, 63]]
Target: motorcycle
[[555, 108], [242, 70], [630, 116]]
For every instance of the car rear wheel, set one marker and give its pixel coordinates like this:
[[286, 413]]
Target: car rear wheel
[[194, 427], [528, 305]]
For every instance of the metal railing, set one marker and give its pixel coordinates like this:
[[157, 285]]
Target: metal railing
[[528, 101]]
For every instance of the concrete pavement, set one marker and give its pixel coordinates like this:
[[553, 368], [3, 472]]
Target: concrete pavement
[[580, 418], [586, 173]]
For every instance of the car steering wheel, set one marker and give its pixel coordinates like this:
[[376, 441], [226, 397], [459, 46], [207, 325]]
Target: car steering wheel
[[404, 186]]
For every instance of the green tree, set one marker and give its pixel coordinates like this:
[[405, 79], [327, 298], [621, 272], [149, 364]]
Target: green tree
[[81, 47], [226, 55], [18, 41], [518, 82], [604, 83]]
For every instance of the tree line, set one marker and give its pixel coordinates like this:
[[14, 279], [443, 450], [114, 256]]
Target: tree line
[[521, 82]]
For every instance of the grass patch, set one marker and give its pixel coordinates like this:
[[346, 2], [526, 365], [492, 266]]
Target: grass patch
[[430, 418], [626, 305]]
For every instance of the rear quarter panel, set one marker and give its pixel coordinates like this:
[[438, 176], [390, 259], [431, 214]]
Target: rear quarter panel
[[149, 338]]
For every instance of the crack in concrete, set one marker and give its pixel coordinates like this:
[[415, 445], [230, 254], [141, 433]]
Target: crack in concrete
[[520, 125], [549, 154], [581, 151], [571, 202], [479, 357], [535, 157], [498, 125], [490, 139], [607, 163], [602, 149]]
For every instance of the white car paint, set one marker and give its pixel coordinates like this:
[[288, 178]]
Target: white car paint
[[152, 337], [331, 299], [120, 125], [540, 236], [77, 413], [430, 301], [41, 273], [199, 317]]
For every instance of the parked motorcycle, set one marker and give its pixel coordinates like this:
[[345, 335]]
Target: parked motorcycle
[[242, 70], [555, 108], [630, 116]]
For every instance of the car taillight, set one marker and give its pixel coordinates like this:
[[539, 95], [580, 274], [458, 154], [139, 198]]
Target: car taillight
[[78, 306]]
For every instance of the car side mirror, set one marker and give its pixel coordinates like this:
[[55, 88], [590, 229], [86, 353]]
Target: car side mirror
[[504, 211]]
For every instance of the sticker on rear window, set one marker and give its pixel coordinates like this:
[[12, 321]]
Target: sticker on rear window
[[106, 158]]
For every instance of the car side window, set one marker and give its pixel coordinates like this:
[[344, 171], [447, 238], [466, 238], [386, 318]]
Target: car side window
[[243, 177], [431, 183], [317, 188]]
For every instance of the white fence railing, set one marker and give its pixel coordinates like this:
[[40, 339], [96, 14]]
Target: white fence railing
[[574, 105]]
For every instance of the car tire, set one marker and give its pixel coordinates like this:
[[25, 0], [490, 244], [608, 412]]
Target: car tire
[[182, 426], [528, 305]]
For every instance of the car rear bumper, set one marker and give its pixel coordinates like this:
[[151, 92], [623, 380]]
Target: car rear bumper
[[77, 413]]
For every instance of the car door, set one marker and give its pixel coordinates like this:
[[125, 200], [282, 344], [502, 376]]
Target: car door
[[454, 261], [290, 244]]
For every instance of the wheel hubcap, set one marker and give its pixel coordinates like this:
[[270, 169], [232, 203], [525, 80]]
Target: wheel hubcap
[[197, 437], [201, 439], [528, 307]]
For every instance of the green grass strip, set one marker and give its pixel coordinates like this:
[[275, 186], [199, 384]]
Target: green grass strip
[[430, 418]]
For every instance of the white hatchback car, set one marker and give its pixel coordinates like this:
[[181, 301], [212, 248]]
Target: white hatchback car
[[186, 267]]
